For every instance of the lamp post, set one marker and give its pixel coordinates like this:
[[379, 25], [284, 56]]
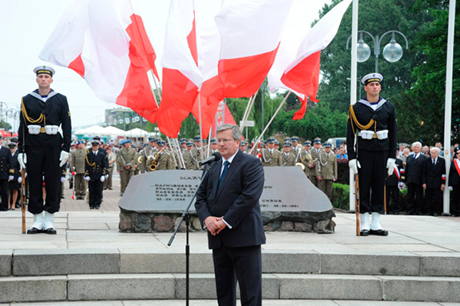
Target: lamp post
[[392, 52]]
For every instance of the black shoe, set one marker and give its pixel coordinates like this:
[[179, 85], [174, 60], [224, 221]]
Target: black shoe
[[50, 231], [435, 214], [98, 206], [364, 233], [91, 207], [110, 188], [396, 212], [379, 232], [34, 230], [62, 197]]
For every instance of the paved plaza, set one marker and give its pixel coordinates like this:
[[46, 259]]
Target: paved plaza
[[93, 231]]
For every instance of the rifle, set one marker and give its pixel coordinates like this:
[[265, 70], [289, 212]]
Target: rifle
[[357, 208], [23, 200]]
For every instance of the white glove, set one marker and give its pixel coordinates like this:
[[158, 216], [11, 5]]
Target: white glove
[[354, 165], [63, 158], [63, 179], [20, 179], [450, 188], [391, 165], [102, 178], [106, 176], [86, 178], [11, 177], [22, 159]]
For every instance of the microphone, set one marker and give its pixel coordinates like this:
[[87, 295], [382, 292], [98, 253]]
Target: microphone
[[214, 157]]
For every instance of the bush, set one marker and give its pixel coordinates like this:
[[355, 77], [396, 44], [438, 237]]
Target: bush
[[341, 194]]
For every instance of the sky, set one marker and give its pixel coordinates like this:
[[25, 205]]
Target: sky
[[25, 26]]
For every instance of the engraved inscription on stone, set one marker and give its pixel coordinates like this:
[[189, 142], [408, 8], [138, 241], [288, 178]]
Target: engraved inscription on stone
[[285, 189]]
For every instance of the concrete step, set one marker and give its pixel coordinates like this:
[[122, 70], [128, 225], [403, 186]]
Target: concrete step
[[214, 303], [95, 287], [113, 261]]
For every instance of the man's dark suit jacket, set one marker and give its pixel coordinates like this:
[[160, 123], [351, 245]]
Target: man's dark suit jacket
[[237, 200], [454, 176], [433, 174], [414, 169], [6, 163], [97, 164]]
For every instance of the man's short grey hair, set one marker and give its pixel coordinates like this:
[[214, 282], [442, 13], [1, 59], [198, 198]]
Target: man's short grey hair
[[417, 143], [435, 149], [236, 132]]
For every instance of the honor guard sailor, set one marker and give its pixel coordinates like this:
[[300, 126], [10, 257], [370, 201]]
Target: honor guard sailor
[[95, 173], [372, 120], [42, 148]]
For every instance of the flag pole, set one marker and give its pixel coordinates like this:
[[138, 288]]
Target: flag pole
[[354, 73], [271, 120], [201, 125], [248, 108], [448, 105]]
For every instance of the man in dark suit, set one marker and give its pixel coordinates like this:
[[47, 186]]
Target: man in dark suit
[[228, 207], [434, 179], [414, 179], [95, 171], [6, 173]]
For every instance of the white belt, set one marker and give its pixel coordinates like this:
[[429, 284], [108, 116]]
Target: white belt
[[48, 129], [383, 134]]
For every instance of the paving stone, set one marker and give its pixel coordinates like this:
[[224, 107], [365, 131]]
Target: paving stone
[[424, 289], [33, 289], [5, 262], [291, 262], [439, 264], [121, 287], [65, 261], [164, 263], [370, 264], [343, 287]]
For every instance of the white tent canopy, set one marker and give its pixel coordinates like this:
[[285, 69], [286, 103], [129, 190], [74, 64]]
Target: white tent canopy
[[137, 132], [113, 131], [92, 130]]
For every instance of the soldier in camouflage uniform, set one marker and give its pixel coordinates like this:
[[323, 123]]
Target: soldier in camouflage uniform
[[270, 156], [326, 171], [287, 156], [126, 160], [78, 160], [315, 158]]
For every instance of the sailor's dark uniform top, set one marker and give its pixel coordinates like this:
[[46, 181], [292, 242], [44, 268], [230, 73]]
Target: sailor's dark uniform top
[[375, 125]]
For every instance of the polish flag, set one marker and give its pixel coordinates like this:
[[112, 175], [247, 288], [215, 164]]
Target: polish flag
[[212, 89], [302, 75], [181, 77], [250, 33], [106, 43]]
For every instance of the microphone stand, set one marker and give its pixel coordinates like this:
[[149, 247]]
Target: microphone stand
[[185, 215]]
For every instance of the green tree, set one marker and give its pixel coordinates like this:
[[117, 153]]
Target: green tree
[[375, 17], [422, 105]]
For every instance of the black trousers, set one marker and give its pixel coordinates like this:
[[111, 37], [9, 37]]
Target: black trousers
[[414, 190], [43, 161], [433, 200], [243, 264], [372, 176], [95, 192], [4, 194], [393, 193], [455, 202]]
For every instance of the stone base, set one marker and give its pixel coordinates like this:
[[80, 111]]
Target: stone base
[[318, 222]]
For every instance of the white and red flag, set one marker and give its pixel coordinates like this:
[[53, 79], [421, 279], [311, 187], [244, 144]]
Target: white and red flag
[[250, 33], [302, 75], [181, 77], [106, 43]]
